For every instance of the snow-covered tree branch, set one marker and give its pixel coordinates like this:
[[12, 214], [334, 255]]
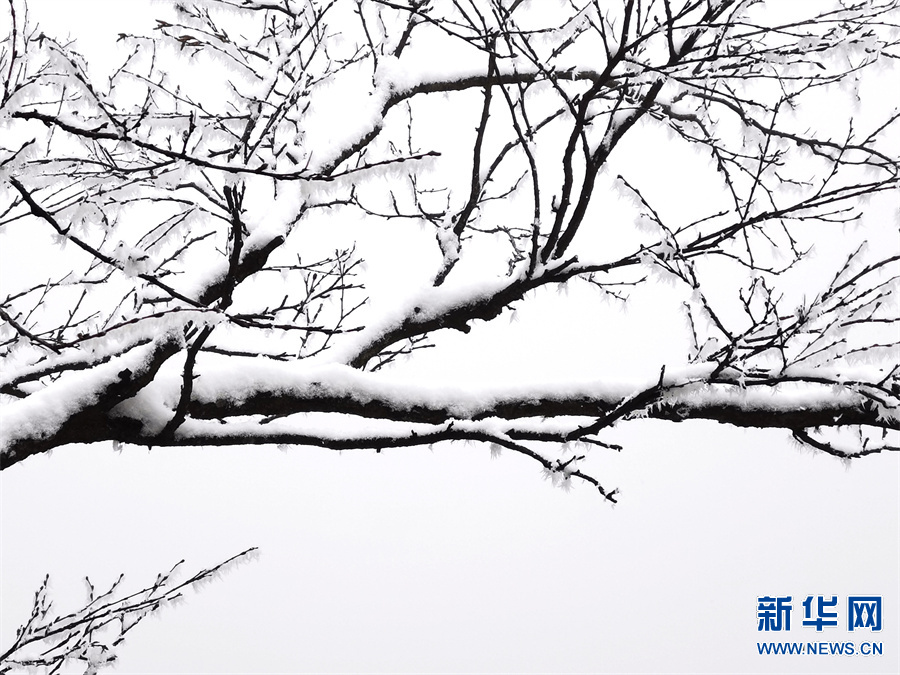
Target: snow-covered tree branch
[[198, 215]]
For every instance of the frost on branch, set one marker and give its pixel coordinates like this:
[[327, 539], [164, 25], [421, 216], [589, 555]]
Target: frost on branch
[[264, 219], [89, 637]]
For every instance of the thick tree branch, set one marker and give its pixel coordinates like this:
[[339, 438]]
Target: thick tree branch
[[75, 409]]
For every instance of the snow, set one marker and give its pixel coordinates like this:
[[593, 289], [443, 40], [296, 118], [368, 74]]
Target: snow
[[133, 261], [153, 405], [419, 306], [236, 385], [394, 76], [44, 413], [788, 396]]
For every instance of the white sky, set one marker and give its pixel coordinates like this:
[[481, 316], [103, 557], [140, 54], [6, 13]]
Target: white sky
[[448, 561]]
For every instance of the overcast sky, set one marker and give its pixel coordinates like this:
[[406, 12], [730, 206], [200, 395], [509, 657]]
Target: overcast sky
[[450, 561]]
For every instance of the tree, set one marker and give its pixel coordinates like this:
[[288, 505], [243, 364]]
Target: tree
[[207, 288]]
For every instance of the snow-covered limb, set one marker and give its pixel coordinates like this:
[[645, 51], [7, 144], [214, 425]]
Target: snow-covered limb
[[451, 306], [265, 404], [75, 406], [223, 390]]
